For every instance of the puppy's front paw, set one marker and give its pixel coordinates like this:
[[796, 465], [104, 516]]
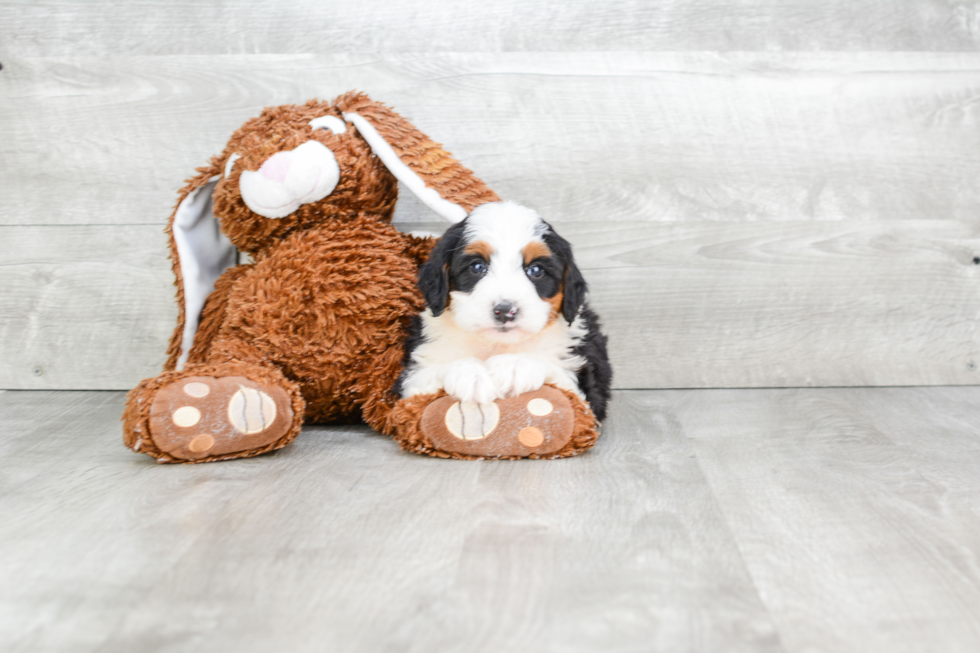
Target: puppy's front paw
[[469, 380], [516, 374]]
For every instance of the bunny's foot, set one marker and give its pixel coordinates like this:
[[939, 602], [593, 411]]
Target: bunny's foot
[[212, 413], [544, 423]]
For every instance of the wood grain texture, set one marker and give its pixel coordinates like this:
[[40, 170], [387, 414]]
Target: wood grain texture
[[83, 307], [581, 136], [684, 304], [786, 304], [856, 538], [814, 520], [341, 542], [947, 457], [104, 28]]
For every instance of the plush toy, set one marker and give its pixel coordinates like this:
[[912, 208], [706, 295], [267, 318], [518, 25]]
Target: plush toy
[[312, 329]]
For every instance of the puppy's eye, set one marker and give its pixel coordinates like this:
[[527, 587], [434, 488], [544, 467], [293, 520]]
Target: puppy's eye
[[535, 271], [478, 267]]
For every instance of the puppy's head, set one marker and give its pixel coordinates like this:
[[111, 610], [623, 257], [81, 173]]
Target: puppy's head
[[503, 273]]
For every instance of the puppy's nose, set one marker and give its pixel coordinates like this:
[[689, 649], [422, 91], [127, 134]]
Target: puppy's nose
[[505, 312]]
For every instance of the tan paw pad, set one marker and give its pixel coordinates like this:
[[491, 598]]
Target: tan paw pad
[[186, 416], [251, 411], [539, 407], [535, 423], [201, 443], [531, 436], [468, 420], [197, 390], [201, 416]]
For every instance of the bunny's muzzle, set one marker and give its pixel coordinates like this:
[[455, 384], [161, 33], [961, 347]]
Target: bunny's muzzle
[[287, 180]]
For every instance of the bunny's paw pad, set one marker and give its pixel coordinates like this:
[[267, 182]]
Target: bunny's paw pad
[[200, 416], [537, 423]]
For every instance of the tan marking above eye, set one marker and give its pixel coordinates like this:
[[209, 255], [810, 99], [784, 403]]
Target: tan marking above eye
[[480, 247], [556, 303], [535, 250]]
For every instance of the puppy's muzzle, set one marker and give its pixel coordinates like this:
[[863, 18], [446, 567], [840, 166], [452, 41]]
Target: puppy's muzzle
[[505, 312]]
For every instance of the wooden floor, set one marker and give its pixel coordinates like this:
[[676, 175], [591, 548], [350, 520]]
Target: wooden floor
[[704, 520]]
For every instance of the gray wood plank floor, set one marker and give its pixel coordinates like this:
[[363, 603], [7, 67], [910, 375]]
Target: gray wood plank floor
[[704, 520]]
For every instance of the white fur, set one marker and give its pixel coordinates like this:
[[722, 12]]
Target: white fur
[[464, 350], [290, 179], [469, 378]]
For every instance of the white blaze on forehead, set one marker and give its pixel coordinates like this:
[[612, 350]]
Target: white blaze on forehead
[[506, 226]]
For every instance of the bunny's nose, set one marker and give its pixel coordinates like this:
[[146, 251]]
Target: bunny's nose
[[276, 167], [287, 180]]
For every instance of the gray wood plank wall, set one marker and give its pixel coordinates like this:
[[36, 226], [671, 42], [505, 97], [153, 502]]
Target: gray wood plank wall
[[762, 193]]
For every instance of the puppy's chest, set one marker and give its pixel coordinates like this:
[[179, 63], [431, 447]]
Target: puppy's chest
[[444, 345]]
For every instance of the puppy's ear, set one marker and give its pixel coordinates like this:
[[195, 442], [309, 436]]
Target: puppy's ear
[[574, 288], [434, 273], [422, 165], [575, 292]]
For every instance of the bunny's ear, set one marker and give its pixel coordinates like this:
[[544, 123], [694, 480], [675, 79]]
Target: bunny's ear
[[422, 165], [200, 253]]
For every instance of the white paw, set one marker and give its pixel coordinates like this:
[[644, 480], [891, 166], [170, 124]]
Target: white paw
[[469, 380], [516, 374], [422, 381]]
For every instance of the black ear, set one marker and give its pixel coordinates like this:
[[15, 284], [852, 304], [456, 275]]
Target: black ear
[[434, 273], [575, 289]]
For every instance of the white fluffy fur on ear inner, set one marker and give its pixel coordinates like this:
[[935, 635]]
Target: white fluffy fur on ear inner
[[431, 197], [204, 254]]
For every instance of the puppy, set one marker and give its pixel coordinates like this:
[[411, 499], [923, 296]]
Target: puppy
[[506, 314]]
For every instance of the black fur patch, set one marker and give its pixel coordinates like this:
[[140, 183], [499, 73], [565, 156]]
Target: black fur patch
[[461, 274], [549, 283], [434, 274], [595, 377], [414, 340]]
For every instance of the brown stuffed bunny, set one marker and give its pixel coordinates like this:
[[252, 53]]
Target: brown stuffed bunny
[[313, 328]]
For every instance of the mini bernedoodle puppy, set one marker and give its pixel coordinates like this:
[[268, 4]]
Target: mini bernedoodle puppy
[[506, 314]]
